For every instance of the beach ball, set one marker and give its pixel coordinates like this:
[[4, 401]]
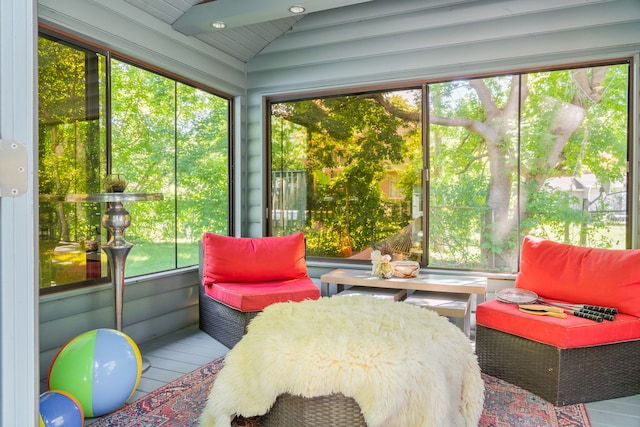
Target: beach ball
[[101, 368], [60, 409]]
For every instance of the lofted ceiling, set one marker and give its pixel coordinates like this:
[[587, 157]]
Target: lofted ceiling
[[251, 24]]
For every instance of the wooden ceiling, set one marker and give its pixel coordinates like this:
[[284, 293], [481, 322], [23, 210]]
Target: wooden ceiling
[[241, 41]]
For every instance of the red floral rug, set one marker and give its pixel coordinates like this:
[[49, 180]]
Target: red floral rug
[[178, 404], [508, 405]]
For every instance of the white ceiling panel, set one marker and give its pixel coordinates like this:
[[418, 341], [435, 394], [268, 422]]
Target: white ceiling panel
[[264, 25], [241, 13], [242, 43]]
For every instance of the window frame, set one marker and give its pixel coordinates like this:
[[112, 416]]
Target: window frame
[[424, 84], [54, 34]]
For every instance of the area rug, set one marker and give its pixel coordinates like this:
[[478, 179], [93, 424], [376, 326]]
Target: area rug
[[179, 403]]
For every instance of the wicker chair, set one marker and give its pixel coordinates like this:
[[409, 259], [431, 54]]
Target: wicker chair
[[569, 360], [220, 321], [562, 376], [273, 267]]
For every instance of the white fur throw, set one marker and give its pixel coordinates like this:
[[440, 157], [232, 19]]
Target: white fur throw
[[404, 365]]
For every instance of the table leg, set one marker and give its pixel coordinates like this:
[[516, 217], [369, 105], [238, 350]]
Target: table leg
[[324, 289], [467, 321], [116, 219], [117, 257]]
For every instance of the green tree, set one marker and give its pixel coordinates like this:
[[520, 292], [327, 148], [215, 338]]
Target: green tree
[[351, 143], [69, 98], [171, 138], [494, 143], [558, 116]]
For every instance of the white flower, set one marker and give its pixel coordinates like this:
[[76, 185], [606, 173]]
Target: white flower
[[381, 265]]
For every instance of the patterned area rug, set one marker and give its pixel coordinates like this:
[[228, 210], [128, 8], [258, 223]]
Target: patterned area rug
[[178, 404], [508, 405]]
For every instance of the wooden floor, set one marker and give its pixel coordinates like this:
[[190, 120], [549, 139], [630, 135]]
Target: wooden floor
[[174, 355]]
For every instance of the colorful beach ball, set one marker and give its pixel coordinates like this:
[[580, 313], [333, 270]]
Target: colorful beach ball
[[60, 409], [100, 368]]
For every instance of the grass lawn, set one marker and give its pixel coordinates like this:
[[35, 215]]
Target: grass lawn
[[152, 257], [65, 264]]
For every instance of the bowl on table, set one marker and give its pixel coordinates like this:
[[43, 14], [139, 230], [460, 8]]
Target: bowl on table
[[405, 269]]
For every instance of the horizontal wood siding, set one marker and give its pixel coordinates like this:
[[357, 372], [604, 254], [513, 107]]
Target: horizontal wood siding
[[254, 172], [417, 40], [409, 45], [153, 306]]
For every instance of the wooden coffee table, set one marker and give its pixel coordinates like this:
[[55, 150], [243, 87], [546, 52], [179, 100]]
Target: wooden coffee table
[[457, 289]]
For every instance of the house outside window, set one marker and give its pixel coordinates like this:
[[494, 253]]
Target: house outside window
[[454, 173], [100, 114]]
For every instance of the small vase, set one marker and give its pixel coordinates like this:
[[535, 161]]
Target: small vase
[[115, 183]]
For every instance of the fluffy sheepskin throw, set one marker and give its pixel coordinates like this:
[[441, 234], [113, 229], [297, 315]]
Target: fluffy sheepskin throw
[[404, 365]]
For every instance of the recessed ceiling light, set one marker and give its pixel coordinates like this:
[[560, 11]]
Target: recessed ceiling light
[[296, 9], [218, 25]]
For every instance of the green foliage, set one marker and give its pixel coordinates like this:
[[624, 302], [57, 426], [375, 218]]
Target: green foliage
[[166, 137], [174, 139], [494, 144], [349, 146]]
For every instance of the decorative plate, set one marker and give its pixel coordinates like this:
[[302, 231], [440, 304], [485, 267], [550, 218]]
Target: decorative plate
[[516, 296]]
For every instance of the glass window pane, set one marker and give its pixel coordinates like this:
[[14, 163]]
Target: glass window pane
[[574, 156], [166, 137], [473, 152], [541, 153], [348, 172], [71, 101], [202, 169], [143, 150]]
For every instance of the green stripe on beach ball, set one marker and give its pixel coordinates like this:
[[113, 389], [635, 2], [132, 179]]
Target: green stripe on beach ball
[[72, 369]]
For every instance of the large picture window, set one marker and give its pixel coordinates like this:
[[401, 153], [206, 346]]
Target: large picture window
[[102, 115], [491, 160], [347, 171]]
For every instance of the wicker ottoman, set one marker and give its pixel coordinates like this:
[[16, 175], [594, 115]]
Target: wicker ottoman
[[347, 361], [322, 411]]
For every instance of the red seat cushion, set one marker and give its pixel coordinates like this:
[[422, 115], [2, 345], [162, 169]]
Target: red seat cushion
[[244, 259], [564, 333], [255, 296], [580, 275]]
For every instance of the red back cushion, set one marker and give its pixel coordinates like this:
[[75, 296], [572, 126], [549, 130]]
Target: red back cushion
[[579, 275], [244, 259]]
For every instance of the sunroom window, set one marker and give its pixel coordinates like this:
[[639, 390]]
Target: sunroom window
[[102, 115], [491, 160]]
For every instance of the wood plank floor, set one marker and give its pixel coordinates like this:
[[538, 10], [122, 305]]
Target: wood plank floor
[[176, 354]]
